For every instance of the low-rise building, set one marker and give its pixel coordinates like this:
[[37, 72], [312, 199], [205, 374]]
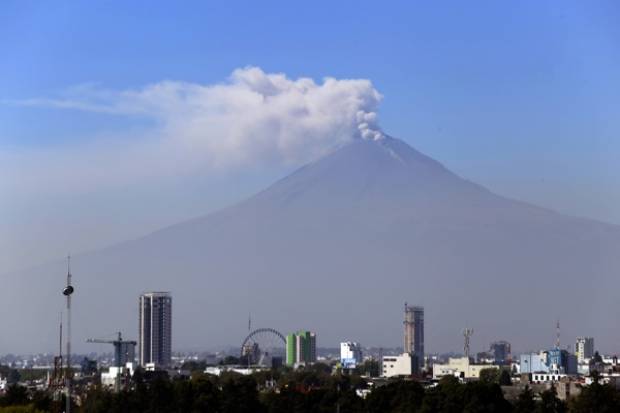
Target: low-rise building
[[395, 366], [540, 378], [566, 387], [113, 377], [460, 367], [246, 371]]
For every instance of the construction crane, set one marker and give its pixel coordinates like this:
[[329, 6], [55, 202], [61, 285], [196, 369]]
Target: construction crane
[[124, 352]]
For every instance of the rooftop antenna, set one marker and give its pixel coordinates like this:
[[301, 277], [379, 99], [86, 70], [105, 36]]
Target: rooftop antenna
[[467, 333], [67, 291], [557, 335]]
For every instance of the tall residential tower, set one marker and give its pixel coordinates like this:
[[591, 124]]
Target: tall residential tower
[[155, 335]]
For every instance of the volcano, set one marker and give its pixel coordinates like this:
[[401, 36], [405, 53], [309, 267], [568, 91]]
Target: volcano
[[338, 247]]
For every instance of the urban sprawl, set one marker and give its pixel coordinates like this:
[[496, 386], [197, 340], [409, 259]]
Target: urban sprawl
[[59, 375]]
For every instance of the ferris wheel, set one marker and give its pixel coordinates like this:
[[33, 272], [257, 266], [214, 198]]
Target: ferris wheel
[[262, 345]]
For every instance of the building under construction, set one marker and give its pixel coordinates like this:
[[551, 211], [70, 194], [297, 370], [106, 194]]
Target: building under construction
[[414, 335]]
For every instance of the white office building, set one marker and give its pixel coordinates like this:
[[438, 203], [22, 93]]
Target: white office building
[[350, 354], [395, 366]]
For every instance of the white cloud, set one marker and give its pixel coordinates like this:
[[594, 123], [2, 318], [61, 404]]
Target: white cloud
[[252, 118]]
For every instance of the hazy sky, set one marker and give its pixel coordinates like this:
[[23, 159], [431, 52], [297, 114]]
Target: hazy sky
[[118, 118]]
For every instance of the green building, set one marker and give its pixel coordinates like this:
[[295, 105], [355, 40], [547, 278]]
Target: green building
[[300, 348]]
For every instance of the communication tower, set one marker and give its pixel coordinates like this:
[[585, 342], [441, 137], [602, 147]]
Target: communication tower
[[467, 333]]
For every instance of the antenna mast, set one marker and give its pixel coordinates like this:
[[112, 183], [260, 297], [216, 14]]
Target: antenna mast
[[467, 333], [557, 335], [68, 290]]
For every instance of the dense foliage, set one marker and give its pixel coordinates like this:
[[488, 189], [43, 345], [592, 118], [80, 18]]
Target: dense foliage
[[310, 391]]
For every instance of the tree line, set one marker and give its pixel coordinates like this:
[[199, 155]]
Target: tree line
[[311, 390]]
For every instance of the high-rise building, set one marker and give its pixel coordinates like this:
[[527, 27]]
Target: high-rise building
[[414, 335], [350, 355], [584, 348], [155, 335], [500, 351], [300, 348]]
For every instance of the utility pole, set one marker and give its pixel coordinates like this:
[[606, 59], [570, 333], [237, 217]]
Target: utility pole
[[68, 290]]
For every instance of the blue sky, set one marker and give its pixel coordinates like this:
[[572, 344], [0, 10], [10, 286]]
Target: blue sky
[[522, 97]]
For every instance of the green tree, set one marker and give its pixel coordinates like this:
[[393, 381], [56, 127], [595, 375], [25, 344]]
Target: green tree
[[229, 360], [398, 396], [240, 395], [549, 402], [525, 402], [98, 400], [41, 400], [482, 397], [161, 396], [369, 368], [596, 398], [490, 375], [207, 394], [447, 397], [13, 377], [504, 378], [15, 395]]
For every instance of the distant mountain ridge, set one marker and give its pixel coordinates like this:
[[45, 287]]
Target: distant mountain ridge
[[337, 247]]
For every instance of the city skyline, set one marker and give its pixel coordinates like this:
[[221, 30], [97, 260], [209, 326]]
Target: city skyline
[[409, 180]]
